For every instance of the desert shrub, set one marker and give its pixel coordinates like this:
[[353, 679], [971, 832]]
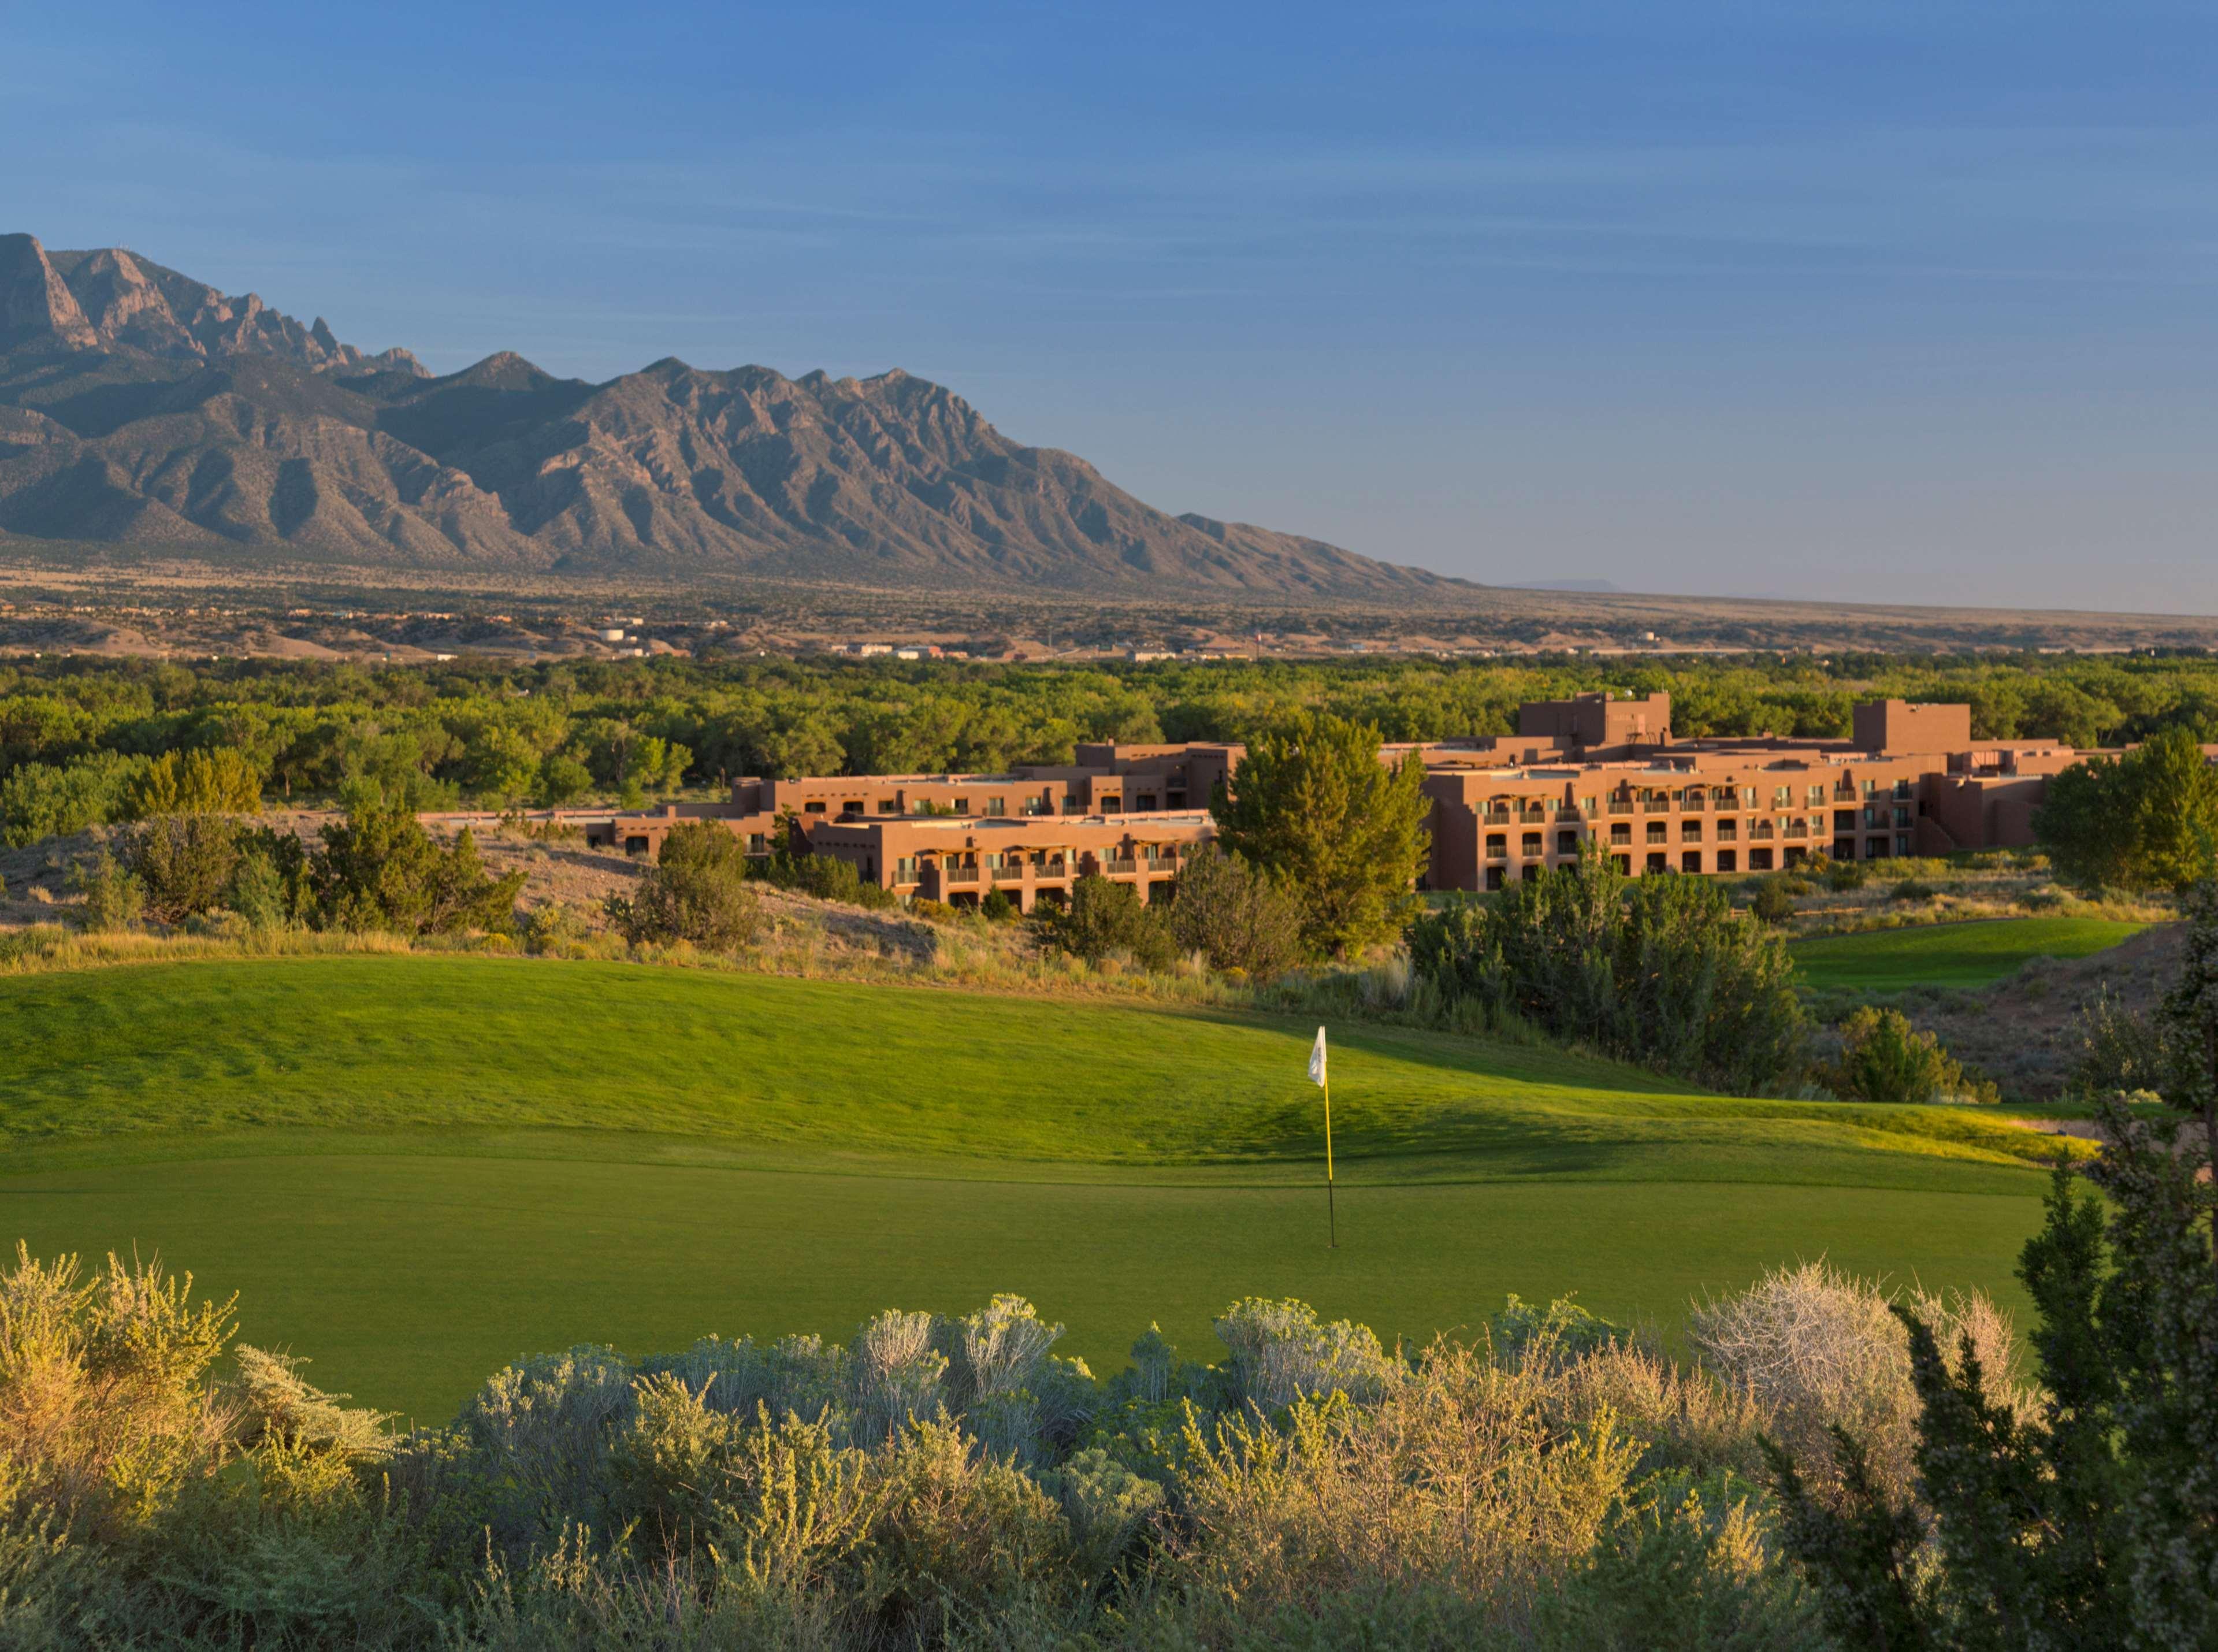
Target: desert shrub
[[2119, 1047], [2085, 1520], [218, 782], [1236, 917], [1687, 1564], [1772, 902], [1562, 1330], [696, 890], [1659, 970], [826, 877], [931, 911], [185, 862], [999, 908], [113, 896], [379, 870], [1105, 918], [1107, 1505], [1281, 1352], [550, 929], [1454, 1477], [1819, 1350], [1841, 876], [1884, 1059], [1910, 890]]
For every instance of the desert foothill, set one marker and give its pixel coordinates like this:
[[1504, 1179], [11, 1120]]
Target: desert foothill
[[1414, 847]]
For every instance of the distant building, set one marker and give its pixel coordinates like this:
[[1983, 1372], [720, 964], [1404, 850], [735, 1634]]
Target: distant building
[[1910, 780]]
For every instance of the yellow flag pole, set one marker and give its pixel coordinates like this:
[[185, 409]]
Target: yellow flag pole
[[1331, 1215]]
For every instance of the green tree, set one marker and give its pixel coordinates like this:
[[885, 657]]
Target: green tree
[[1237, 916], [1104, 918], [697, 891], [1772, 904], [379, 870], [2091, 1519], [2175, 802], [1315, 807], [199, 783], [113, 897], [1659, 969], [1884, 1059], [184, 862], [2148, 820]]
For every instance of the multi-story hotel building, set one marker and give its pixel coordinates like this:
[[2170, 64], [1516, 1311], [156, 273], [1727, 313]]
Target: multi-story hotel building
[[1909, 780]]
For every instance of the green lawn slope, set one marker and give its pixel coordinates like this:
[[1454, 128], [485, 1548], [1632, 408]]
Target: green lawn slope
[[1963, 955], [417, 1167]]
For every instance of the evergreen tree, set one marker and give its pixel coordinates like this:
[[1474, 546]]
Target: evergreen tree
[[1316, 808]]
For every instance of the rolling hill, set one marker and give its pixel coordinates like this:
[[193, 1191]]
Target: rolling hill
[[140, 407]]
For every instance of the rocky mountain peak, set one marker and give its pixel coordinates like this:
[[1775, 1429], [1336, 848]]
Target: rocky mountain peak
[[126, 389], [111, 299], [36, 306]]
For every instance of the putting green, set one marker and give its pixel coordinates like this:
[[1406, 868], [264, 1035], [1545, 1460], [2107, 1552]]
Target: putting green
[[416, 1168], [1963, 955]]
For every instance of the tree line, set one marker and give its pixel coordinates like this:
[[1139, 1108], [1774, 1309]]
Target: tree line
[[76, 735]]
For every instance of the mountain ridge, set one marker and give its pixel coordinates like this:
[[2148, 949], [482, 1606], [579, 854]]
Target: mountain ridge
[[139, 406]]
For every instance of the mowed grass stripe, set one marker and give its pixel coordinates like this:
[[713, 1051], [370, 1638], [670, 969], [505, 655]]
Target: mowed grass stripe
[[892, 1075], [410, 1277], [1962, 955]]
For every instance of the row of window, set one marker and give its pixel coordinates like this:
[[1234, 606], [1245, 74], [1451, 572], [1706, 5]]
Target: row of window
[[996, 807], [1899, 845], [1044, 863], [1813, 796]]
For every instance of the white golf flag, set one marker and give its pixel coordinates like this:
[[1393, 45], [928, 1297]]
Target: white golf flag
[[1316, 1059]]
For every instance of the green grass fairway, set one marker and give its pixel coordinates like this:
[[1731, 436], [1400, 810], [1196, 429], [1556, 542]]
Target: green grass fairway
[[415, 1168], [1974, 954]]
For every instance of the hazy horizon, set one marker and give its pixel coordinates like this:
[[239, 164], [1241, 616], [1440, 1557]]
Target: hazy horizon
[[1904, 304]]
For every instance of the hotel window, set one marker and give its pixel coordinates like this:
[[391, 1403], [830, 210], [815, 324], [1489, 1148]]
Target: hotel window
[[1659, 863], [812, 807], [1817, 797], [1728, 861], [1691, 861], [1533, 843], [1728, 830], [1620, 831], [1567, 842], [997, 805], [1781, 796], [889, 805], [905, 869], [1690, 831], [1658, 831], [1498, 846]]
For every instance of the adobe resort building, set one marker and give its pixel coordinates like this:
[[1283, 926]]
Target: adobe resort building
[[1909, 780]]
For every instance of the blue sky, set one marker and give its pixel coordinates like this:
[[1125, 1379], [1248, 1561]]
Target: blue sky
[[1866, 301]]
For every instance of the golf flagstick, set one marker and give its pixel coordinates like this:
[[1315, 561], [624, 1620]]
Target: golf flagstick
[[1318, 1077]]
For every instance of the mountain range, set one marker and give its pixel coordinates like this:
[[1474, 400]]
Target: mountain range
[[140, 407]]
